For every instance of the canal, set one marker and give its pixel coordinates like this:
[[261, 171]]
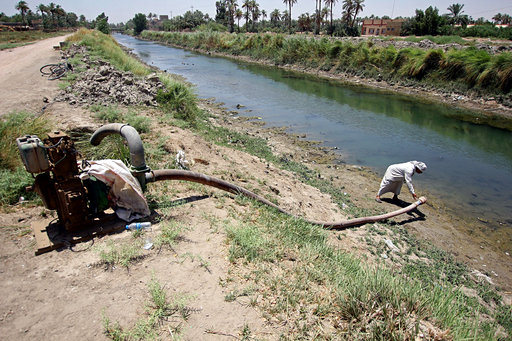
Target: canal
[[469, 165]]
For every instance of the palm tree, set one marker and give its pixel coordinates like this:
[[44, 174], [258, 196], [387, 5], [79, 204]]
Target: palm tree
[[275, 16], [43, 9], [60, 13], [497, 18], [255, 12], [51, 10], [247, 6], [304, 22], [263, 15], [331, 4], [456, 14], [358, 7], [23, 8], [239, 15], [318, 5], [325, 14], [284, 15], [290, 5], [348, 9], [506, 19], [231, 6]]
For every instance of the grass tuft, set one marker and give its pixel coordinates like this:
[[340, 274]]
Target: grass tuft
[[178, 99], [13, 186], [15, 125], [170, 234], [113, 254], [159, 309]]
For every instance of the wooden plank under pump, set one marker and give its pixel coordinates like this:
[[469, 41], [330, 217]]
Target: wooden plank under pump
[[50, 235]]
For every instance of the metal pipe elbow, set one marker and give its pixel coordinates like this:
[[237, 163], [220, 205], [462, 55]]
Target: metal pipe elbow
[[131, 136]]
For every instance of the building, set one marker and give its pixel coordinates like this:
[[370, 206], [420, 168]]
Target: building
[[381, 27]]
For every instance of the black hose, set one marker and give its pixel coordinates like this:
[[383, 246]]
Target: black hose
[[172, 174]]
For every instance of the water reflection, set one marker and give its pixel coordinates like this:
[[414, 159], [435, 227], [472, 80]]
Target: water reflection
[[439, 118]]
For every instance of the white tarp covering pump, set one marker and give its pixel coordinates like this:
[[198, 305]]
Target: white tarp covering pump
[[72, 187]]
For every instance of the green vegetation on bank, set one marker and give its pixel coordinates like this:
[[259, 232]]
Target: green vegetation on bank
[[176, 97], [467, 68], [340, 290]]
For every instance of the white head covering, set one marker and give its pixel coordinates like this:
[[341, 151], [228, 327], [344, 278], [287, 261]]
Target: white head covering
[[420, 165]]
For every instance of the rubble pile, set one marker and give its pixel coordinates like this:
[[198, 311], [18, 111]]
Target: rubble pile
[[102, 84]]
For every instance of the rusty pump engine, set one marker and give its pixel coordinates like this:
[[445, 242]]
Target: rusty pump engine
[[78, 200]]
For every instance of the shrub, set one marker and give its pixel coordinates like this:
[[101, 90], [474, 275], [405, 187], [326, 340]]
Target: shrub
[[335, 49], [13, 185], [212, 27], [179, 99], [13, 126], [110, 114], [502, 66]]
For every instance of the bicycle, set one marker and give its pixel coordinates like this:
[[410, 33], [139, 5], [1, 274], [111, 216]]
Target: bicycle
[[56, 71]]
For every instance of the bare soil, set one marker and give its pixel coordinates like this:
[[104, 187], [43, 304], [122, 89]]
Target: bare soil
[[63, 294]]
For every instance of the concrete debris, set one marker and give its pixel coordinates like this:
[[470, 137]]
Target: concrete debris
[[103, 84], [479, 275], [391, 246]]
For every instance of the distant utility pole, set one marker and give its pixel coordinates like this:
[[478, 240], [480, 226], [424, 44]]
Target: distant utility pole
[[393, 10]]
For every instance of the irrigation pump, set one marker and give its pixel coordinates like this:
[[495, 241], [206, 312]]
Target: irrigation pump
[[58, 182]]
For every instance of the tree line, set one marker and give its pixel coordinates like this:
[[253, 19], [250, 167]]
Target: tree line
[[53, 17], [248, 16]]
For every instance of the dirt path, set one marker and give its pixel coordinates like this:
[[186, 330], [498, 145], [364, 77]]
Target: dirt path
[[22, 86]]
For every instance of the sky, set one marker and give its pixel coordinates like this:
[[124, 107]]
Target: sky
[[123, 10]]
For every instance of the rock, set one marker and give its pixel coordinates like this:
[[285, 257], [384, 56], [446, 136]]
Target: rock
[[104, 70], [479, 275], [103, 84], [153, 78]]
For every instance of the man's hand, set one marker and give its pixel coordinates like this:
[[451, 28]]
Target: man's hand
[[415, 196]]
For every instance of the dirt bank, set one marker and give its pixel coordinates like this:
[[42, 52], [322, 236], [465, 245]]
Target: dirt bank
[[64, 294]]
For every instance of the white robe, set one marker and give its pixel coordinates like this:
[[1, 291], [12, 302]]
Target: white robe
[[396, 175]]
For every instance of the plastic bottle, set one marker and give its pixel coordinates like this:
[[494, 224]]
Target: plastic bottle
[[137, 226]]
